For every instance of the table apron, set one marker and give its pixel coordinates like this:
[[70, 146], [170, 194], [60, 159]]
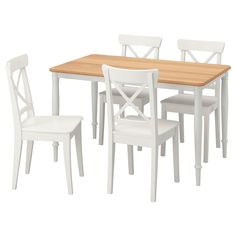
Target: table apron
[[160, 85]]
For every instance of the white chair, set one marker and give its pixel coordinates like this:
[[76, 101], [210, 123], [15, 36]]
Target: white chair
[[45, 128], [137, 130], [128, 42], [184, 103]]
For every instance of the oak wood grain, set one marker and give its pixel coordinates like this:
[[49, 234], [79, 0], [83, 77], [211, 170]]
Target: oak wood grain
[[172, 72]]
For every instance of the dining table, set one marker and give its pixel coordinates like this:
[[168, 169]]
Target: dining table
[[177, 75]]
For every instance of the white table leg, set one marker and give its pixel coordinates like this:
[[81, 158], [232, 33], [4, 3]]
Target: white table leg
[[198, 132], [55, 108], [224, 112], [94, 93]]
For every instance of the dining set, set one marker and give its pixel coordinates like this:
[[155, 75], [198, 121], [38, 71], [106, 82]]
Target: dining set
[[130, 98]]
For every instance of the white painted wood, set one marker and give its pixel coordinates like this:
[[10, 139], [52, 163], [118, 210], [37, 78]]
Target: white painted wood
[[78, 145], [130, 159], [197, 45], [122, 115], [176, 155], [154, 166], [44, 128], [147, 41], [155, 131], [123, 50], [101, 119], [29, 151], [111, 160], [217, 110], [55, 151], [81, 77], [217, 126], [17, 62], [127, 41], [181, 127], [206, 138], [176, 87], [94, 92], [163, 116], [185, 103], [140, 101], [224, 112], [16, 163], [141, 108], [181, 103], [55, 94], [198, 132], [137, 130], [67, 160], [129, 101], [55, 108]]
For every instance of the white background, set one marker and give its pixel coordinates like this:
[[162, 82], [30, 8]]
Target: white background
[[53, 32]]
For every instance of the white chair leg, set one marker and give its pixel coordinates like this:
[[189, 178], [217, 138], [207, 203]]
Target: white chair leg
[[217, 127], [206, 138], [67, 158], [154, 166], [101, 121], [78, 145], [16, 164], [163, 116], [55, 108], [111, 160], [181, 127], [94, 93], [130, 159], [55, 151], [176, 155], [224, 113], [29, 151], [141, 108]]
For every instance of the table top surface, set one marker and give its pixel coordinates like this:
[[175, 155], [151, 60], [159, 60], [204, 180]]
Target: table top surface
[[172, 72]]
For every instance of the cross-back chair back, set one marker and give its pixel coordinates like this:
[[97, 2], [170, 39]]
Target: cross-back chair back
[[19, 89], [215, 49], [129, 41], [139, 79]]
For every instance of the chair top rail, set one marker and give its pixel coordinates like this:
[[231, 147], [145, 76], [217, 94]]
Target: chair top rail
[[196, 45], [17, 63], [140, 40]]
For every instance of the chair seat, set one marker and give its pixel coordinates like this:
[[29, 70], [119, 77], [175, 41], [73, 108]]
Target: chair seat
[[184, 103], [129, 91], [51, 124], [134, 126]]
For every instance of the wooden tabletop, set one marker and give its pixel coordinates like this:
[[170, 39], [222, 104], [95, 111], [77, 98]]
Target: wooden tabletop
[[172, 72]]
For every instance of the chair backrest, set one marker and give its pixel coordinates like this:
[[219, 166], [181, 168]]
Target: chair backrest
[[19, 90], [215, 50], [138, 79], [188, 46], [128, 41]]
